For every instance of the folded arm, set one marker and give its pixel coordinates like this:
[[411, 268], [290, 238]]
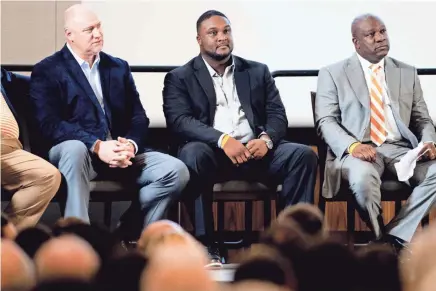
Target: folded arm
[[46, 96], [180, 116], [328, 115]]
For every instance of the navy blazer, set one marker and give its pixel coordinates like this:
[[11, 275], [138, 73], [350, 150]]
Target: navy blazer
[[190, 101], [67, 108]]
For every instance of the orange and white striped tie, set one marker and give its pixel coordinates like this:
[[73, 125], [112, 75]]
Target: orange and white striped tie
[[378, 121]]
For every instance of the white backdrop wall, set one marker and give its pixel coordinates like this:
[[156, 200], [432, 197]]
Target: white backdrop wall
[[293, 35]]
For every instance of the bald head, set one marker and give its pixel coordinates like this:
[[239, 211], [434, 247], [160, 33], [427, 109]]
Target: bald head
[[370, 37], [156, 230], [421, 259], [177, 264], [77, 15], [359, 19], [83, 32], [67, 256], [17, 270], [254, 285]]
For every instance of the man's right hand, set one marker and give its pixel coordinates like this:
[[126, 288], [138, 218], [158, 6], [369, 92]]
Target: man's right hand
[[236, 151], [364, 152]]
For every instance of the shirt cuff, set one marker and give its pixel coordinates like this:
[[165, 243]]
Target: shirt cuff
[[262, 133], [220, 140], [93, 146], [134, 145]]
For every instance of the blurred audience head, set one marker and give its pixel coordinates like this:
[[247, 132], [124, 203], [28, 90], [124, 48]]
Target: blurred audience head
[[30, 239], [255, 285], [17, 269], [8, 228], [156, 230], [420, 259], [177, 264], [266, 264], [66, 257], [63, 224], [380, 263], [121, 273], [64, 285], [102, 241], [288, 238], [308, 217], [327, 260]]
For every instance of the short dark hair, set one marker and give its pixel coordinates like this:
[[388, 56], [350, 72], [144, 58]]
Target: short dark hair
[[208, 14]]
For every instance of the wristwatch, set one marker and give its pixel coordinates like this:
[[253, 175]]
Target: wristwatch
[[269, 143]]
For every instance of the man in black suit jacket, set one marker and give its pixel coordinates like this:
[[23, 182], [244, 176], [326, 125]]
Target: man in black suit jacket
[[230, 121], [88, 108]]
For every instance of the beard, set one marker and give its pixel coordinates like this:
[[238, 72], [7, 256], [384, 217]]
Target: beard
[[218, 57]]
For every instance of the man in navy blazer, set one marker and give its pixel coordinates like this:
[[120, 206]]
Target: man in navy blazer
[[89, 109], [231, 124]]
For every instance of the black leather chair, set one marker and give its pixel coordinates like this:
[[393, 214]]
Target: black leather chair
[[391, 189]]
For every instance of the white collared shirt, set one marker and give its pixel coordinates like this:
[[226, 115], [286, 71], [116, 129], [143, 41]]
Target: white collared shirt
[[229, 115], [393, 134], [92, 74]]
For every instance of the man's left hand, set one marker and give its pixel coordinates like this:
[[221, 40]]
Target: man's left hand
[[257, 148], [430, 151]]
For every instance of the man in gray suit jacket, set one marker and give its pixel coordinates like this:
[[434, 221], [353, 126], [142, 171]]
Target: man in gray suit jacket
[[370, 111]]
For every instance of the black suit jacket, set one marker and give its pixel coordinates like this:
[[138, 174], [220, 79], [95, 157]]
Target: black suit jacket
[[190, 101], [67, 108], [15, 89]]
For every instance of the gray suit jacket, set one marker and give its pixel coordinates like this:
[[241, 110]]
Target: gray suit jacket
[[342, 110]]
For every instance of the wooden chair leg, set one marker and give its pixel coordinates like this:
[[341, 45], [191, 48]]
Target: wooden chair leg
[[248, 222], [107, 214], [398, 206], [266, 213], [350, 223]]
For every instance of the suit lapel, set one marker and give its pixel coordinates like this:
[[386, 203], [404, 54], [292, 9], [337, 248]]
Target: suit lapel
[[205, 80], [105, 77], [357, 80], [393, 78], [78, 75], [242, 82]]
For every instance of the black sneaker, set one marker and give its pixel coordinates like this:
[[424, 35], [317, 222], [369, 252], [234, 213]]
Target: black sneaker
[[214, 257]]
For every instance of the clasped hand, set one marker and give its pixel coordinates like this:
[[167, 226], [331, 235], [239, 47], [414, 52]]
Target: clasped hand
[[117, 153], [239, 154]]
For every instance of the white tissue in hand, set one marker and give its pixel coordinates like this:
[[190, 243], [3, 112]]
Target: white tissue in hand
[[407, 164]]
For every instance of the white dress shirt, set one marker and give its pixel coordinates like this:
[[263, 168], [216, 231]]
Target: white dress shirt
[[393, 134], [92, 74], [229, 115]]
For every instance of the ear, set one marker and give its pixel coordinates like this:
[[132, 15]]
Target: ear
[[68, 34], [198, 39], [356, 43]]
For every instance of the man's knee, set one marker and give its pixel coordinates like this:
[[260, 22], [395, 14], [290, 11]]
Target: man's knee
[[48, 178], [194, 152], [179, 173], [308, 156], [70, 151], [366, 186]]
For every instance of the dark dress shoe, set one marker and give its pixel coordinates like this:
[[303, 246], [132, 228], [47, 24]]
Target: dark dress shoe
[[398, 245]]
